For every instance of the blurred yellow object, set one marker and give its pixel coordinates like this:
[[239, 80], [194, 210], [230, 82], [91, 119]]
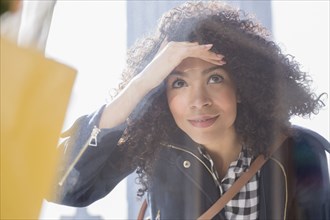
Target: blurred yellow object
[[35, 92]]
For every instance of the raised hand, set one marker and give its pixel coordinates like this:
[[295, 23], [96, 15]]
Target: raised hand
[[170, 55]]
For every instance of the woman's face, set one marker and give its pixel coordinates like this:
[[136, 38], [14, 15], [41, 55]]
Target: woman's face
[[202, 100]]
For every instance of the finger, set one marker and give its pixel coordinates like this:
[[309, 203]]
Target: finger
[[213, 58], [207, 46], [217, 62], [200, 47], [191, 43], [203, 52]]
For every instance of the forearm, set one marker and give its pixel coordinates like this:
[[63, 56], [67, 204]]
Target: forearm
[[117, 111], [123, 105]]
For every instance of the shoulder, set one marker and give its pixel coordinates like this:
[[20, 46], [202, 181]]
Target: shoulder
[[308, 156], [306, 138]]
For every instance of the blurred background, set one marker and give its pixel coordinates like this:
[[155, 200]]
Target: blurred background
[[93, 36]]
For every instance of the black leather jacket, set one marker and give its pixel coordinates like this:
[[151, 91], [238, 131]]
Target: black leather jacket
[[294, 182]]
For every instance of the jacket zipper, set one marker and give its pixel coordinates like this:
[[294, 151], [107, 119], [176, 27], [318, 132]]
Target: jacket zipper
[[286, 185], [202, 162], [92, 141]]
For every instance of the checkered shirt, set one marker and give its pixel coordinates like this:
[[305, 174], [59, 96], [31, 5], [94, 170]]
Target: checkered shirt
[[244, 205]]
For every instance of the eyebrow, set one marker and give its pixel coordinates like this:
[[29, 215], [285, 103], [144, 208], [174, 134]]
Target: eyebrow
[[179, 73]]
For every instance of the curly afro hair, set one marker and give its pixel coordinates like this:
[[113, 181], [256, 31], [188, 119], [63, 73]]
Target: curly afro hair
[[270, 85]]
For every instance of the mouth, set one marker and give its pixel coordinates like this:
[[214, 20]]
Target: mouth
[[203, 121]]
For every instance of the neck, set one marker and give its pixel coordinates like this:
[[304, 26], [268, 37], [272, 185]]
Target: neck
[[224, 150]]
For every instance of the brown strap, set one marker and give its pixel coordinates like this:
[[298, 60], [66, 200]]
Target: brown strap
[[142, 210], [234, 189]]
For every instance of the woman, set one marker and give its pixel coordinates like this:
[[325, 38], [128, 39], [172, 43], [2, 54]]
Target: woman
[[200, 100]]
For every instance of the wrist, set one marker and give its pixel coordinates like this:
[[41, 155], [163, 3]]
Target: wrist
[[143, 83]]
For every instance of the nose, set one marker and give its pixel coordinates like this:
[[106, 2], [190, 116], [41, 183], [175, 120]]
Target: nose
[[199, 98]]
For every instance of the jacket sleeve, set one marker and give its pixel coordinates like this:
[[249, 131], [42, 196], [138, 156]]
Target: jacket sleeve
[[89, 170]]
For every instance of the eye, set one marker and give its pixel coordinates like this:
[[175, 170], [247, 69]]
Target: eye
[[215, 79], [178, 83]]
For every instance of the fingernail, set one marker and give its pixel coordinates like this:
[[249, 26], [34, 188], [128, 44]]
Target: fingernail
[[208, 45]]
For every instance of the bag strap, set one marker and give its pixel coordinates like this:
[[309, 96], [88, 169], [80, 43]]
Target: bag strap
[[238, 184], [142, 210]]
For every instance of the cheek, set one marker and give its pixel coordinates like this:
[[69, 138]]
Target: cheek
[[227, 100], [228, 96], [231, 101]]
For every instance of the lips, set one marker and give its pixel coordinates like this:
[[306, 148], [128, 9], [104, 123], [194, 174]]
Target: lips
[[203, 121]]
